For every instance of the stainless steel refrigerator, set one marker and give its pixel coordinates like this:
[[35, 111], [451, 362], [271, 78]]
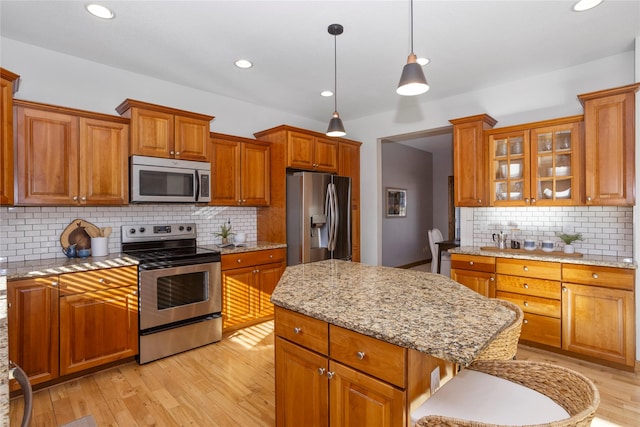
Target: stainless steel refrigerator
[[318, 217]]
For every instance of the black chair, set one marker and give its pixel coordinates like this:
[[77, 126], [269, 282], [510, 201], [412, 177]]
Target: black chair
[[16, 372]]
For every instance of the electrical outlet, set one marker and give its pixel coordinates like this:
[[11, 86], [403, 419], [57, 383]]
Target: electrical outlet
[[435, 379]]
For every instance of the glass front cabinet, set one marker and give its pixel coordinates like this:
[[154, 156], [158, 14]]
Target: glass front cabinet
[[536, 166]]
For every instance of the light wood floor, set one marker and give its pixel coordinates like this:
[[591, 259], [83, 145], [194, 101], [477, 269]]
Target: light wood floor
[[231, 383]]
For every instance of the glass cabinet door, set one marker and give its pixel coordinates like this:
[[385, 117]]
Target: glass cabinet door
[[509, 168], [554, 166]]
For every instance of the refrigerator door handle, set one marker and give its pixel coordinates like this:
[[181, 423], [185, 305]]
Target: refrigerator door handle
[[336, 217], [331, 212]]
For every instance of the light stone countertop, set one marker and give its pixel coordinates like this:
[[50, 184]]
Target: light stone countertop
[[247, 247], [414, 309], [604, 261]]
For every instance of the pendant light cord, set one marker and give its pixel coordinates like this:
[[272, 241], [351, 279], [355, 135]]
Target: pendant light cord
[[335, 72], [411, 26]]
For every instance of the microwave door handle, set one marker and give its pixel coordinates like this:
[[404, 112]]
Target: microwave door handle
[[197, 189]]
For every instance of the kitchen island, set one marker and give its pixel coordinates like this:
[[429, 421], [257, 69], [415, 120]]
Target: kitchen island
[[361, 345]]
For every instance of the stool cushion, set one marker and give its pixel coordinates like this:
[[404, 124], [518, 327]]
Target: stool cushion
[[480, 397]]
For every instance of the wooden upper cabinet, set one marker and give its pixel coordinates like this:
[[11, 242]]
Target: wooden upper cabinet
[[8, 86], [311, 152], [609, 117], [470, 160], [70, 157], [349, 158], [160, 131], [240, 171]]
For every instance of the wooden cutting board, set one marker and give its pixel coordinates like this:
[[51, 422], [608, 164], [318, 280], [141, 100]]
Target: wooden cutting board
[[559, 254]]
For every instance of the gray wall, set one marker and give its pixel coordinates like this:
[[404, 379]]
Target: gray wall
[[404, 238]]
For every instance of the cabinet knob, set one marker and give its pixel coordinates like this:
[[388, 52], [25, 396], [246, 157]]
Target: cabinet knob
[[239, 260], [297, 330], [594, 275], [479, 201], [525, 268], [360, 355], [491, 279], [321, 371], [533, 200], [525, 286], [470, 262], [54, 283], [525, 321], [330, 374], [75, 198], [177, 153], [564, 289], [83, 198], [588, 199], [526, 304], [270, 256], [171, 152]]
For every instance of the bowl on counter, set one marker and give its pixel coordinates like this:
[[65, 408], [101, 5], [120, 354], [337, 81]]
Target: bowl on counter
[[547, 246]]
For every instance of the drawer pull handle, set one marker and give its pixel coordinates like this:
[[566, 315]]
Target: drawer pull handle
[[470, 262], [525, 268], [526, 304], [297, 330], [270, 256], [361, 355], [239, 260], [526, 286], [594, 275], [525, 321], [321, 371]]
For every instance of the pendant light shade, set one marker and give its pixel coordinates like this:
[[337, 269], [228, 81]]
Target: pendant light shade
[[336, 128], [412, 81]]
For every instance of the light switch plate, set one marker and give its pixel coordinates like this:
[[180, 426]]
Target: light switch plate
[[435, 379]]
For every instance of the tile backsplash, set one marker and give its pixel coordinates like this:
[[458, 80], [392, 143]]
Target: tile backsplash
[[606, 230], [31, 233]]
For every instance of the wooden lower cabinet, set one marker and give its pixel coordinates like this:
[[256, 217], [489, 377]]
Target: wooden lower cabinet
[[475, 272], [248, 280], [33, 328], [331, 376], [599, 313]]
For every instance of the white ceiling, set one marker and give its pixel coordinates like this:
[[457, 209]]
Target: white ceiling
[[472, 44]]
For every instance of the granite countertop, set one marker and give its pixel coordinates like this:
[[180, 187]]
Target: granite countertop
[[54, 266], [414, 309], [586, 259]]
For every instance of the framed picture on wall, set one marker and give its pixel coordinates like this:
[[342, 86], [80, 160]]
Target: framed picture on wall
[[396, 202]]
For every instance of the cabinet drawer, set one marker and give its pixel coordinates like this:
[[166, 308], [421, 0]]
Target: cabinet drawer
[[527, 268], [244, 259], [486, 264], [303, 330], [541, 329], [378, 358], [535, 305], [528, 286], [98, 280], [609, 277]]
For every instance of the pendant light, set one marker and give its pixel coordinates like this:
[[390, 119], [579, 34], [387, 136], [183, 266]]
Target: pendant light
[[336, 128], [412, 81]]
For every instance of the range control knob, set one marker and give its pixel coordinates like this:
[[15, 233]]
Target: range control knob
[[142, 229], [132, 231], [181, 228], [189, 228]]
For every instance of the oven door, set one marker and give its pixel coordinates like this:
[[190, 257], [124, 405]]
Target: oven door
[[174, 294]]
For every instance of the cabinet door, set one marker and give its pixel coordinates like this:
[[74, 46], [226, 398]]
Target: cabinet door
[[152, 133], [98, 328], [255, 171], [555, 167], [47, 157], [325, 157], [357, 399], [300, 148], [191, 139], [470, 160], [238, 296], [268, 277], [349, 157], [610, 146], [225, 171], [33, 327], [302, 388], [6, 142], [481, 282], [598, 322], [509, 169], [104, 170]]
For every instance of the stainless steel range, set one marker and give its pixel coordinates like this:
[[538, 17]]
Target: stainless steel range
[[179, 283]]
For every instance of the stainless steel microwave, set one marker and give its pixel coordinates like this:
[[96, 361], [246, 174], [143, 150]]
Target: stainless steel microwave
[[160, 180]]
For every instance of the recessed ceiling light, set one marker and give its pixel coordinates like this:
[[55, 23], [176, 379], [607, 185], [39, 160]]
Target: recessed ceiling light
[[423, 61], [99, 11], [583, 5], [326, 93], [243, 63]]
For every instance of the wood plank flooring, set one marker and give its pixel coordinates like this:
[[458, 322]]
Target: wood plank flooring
[[231, 383]]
